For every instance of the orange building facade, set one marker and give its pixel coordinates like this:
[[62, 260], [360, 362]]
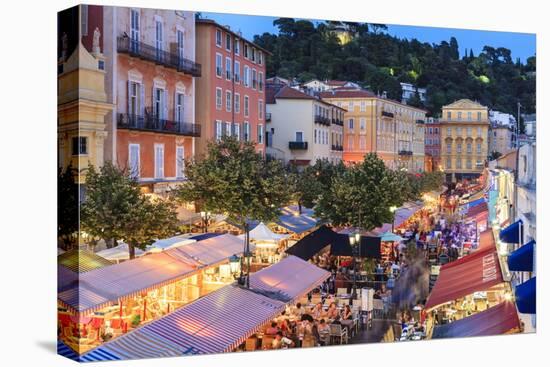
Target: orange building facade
[[153, 127], [231, 91]]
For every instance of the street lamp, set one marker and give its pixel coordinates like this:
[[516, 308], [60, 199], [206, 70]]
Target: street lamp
[[234, 264], [205, 219], [354, 241], [393, 209]]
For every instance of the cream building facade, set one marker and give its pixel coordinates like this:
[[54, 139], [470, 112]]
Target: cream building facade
[[302, 129], [464, 139], [82, 107], [394, 131]]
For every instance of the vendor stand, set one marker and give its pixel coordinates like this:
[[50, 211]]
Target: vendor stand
[[103, 305]]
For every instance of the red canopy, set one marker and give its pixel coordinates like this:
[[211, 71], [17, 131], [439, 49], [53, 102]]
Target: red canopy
[[477, 212], [473, 273], [486, 240], [497, 320]]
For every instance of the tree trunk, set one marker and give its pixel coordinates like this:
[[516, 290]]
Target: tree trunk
[[247, 236], [300, 207], [131, 251]]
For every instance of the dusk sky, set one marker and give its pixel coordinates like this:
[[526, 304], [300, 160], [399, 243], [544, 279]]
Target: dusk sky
[[521, 44]]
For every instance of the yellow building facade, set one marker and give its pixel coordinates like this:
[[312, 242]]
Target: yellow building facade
[[464, 139], [394, 131], [81, 110]]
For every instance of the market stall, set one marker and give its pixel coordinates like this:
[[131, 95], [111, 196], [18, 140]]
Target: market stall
[[268, 245], [109, 301], [215, 323], [468, 285], [390, 246]]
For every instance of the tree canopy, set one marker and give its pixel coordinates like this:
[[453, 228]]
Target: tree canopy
[[372, 58], [116, 209], [235, 180]]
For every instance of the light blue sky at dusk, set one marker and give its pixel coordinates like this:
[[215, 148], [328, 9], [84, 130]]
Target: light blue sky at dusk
[[523, 45]]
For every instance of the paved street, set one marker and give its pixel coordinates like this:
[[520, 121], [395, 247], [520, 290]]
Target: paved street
[[412, 285]]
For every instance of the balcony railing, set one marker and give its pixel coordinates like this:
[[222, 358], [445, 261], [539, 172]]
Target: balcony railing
[[337, 148], [322, 120], [338, 122], [297, 145], [405, 152], [153, 123], [151, 53], [387, 114], [420, 121]]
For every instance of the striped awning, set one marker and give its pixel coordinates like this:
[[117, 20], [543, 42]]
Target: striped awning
[[219, 321], [101, 287], [289, 277], [500, 319], [293, 221], [212, 250], [81, 261]]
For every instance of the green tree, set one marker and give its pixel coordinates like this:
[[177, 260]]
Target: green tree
[[233, 179], [67, 207], [115, 209], [310, 182], [362, 196]]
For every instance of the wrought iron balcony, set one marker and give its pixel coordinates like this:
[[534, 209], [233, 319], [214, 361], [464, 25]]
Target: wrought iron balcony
[[155, 124], [297, 145], [337, 148], [338, 122], [322, 120], [147, 52], [387, 114], [406, 152], [420, 121]]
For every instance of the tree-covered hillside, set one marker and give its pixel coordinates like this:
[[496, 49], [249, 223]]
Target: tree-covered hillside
[[376, 60]]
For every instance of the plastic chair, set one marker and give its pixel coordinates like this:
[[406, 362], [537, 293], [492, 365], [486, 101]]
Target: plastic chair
[[337, 331]]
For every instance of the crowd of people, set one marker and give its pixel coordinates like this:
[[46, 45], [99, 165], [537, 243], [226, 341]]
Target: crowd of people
[[308, 326]]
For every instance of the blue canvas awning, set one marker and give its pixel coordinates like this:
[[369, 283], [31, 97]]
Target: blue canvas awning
[[526, 296], [522, 258], [510, 234]]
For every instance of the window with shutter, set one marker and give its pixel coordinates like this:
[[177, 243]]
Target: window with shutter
[[179, 107], [180, 163], [260, 134], [237, 131], [159, 161], [180, 41], [133, 160], [219, 131], [228, 128], [246, 131]]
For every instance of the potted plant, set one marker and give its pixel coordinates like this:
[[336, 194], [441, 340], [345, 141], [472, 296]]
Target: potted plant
[[136, 320], [106, 336]]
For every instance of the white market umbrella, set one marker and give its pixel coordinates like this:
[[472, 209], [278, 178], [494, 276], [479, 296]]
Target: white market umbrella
[[262, 233], [118, 253], [168, 243]]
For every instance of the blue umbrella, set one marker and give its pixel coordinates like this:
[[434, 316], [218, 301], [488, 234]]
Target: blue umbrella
[[390, 237]]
